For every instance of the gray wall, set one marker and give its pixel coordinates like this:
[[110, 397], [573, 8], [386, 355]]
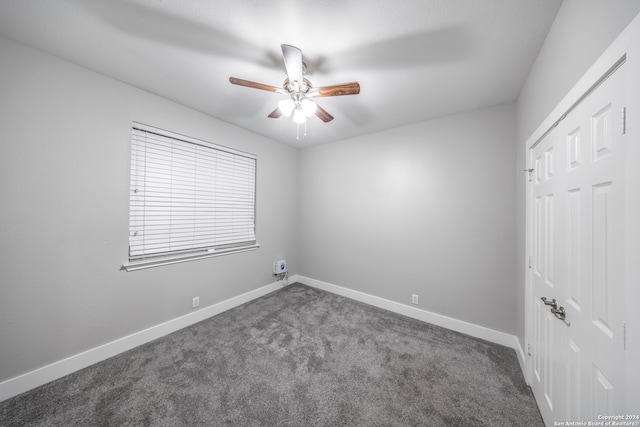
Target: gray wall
[[426, 209], [64, 182], [581, 32], [431, 208]]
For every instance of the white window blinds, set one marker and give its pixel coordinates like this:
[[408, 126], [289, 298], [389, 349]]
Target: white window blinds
[[188, 195]]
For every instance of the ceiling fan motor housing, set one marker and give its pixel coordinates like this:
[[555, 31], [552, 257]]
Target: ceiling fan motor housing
[[290, 87]]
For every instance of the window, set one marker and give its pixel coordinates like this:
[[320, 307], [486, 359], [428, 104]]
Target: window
[[189, 199]]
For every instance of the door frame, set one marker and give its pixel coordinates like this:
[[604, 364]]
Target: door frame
[[627, 44]]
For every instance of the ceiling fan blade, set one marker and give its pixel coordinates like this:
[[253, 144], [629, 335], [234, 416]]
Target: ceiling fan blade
[[323, 115], [336, 90], [275, 113], [254, 85], [292, 62]]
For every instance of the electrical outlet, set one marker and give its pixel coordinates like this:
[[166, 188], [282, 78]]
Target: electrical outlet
[[414, 299], [195, 302]]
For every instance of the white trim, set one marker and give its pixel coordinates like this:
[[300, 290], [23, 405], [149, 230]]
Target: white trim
[[55, 370], [613, 53], [522, 358], [632, 215], [294, 278], [175, 259], [426, 316]]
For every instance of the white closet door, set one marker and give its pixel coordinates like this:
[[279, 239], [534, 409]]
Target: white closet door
[[578, 259]]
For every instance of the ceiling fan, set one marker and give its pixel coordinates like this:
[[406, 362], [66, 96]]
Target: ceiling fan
[[299, 90]]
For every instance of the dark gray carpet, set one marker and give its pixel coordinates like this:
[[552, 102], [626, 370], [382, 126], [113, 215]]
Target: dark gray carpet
[[296, 357]]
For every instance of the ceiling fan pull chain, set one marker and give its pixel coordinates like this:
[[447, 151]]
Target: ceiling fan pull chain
[[305, 128], [298, 131]]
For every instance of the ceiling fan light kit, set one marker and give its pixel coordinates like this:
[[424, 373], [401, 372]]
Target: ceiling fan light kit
[[287, 106], [308, 107], [298, 116], [299, 90], [301, 109]]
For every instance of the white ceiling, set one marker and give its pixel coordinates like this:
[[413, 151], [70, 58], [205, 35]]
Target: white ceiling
[[414, 59]]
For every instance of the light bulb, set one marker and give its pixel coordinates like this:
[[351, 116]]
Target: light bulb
[[286, 106], [308, 107], [298, 116]]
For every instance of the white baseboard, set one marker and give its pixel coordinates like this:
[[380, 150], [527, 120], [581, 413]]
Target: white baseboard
[[53, 371], [522, 357], [436, 319], [45, 374]]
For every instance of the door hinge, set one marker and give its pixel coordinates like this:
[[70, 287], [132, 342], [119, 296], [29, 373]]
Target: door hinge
[[529, 261], [623, 119], [529, 349], [529, 171]]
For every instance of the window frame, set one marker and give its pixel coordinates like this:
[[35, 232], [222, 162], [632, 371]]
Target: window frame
[[143, 261]]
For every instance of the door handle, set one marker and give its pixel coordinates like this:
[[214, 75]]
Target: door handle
[[561, 314], [552, 303]]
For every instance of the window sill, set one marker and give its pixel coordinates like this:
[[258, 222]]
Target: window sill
[[174, 259]]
